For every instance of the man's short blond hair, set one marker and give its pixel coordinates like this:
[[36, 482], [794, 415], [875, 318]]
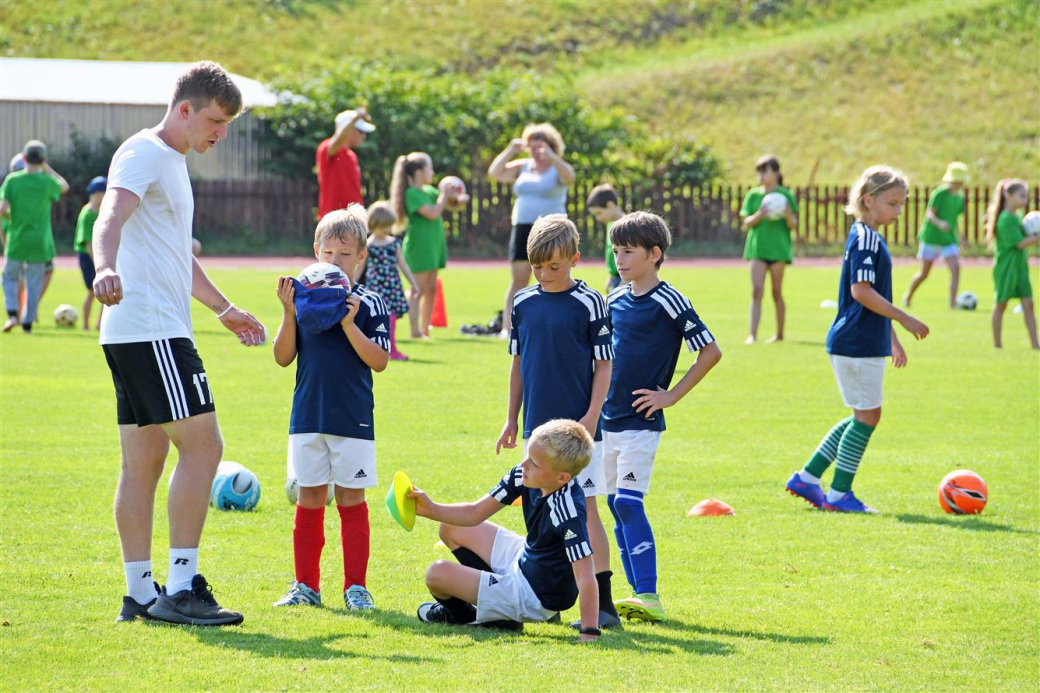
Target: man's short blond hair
[[566, 443], [551, 233], [342, 224]]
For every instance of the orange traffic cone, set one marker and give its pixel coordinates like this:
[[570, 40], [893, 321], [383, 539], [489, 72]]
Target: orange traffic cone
[[440, 313]]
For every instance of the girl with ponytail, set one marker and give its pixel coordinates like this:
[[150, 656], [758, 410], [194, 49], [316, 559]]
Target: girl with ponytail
[[1010, 259]]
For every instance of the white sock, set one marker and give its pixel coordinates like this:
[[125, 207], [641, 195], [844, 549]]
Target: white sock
[[833, 495], [808, 478], [139, 581], [184, 564]]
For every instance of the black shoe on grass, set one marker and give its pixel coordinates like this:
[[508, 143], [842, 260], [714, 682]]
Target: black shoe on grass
[[194, 607], [132, 611]]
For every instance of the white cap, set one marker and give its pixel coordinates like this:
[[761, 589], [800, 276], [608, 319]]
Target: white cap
[[347, 116]]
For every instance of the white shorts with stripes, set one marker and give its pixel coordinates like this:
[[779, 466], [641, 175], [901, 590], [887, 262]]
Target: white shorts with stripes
[[158, 382]]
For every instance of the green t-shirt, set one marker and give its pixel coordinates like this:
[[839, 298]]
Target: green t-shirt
[[947, 206], [425, 247], [611, 262], [31, 196], [85, 229], [770, 239], [1010, 263]]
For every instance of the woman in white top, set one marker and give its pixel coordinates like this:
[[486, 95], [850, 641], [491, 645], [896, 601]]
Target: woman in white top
[[540, 183]]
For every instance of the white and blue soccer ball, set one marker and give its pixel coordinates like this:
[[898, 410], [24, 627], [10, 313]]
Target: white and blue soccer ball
[[1031, 223], [967, 300], [324, 275], [774, 205], [234, 488]]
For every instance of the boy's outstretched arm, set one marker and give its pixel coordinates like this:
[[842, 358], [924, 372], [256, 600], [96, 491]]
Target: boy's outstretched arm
[[457, 514], [872, 300], [516, 397], [600, 386], [588, 595], [652, 400]]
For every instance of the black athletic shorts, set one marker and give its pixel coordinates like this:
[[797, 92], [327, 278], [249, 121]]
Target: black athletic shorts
[[158, 382], [518, 242], [86, 268]]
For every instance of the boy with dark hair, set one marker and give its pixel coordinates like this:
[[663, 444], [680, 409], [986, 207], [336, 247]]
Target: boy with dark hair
[[560, 343], [602, 204], [651, 322], [505, 579]]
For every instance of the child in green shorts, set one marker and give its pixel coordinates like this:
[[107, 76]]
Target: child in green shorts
[[602, 204], [1010, 259], [938, 236], [768, 246], [419, 206]]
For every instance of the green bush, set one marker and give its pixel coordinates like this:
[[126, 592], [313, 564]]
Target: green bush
[[462, 122]]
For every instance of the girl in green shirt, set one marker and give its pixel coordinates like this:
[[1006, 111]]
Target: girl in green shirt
[[938, 237], [419, 207], [1010, 259], [768, 246]]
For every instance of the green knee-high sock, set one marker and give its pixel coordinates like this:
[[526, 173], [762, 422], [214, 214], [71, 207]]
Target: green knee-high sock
[[828, 449], [850, 451]]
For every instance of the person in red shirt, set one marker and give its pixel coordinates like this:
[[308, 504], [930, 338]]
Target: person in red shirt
[[339, 175]]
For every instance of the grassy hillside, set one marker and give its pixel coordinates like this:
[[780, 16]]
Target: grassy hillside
[[848, 83]]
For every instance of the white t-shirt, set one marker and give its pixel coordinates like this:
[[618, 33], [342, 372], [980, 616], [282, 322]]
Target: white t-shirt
[[154, 260]]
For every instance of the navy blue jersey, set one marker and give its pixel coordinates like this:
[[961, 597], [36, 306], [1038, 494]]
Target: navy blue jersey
[[558, 336], [858, 331], [556, 537], [649, 331], [333, 385]]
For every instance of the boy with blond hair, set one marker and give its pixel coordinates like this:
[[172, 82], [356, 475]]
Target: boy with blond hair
[[560, 341], [651, 322], [340, 338], [505, 579]]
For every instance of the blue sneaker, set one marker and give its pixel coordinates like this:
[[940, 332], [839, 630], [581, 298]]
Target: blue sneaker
[[848, 504], [358, 598], [811, 493], [299, 593]]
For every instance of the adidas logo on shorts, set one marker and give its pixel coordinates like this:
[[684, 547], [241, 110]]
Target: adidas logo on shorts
[[631, 476], [568, 535], [492, 580], [689, 326], [381, 328], [868, 261], [361, 474], [589, 483], [603, 331]]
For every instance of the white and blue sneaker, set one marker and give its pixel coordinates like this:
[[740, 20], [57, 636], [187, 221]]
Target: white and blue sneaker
[[299, 593], [357, 598], [849, 504]]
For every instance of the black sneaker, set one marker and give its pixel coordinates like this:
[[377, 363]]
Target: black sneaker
[[606, 620], [194, 607], [132, 611], [434, 612], [504, 624]]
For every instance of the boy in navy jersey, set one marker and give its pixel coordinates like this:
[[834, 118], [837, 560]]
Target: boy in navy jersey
[[340, 338], [505, 579], [560, 343], [859, 340], [651, 322]]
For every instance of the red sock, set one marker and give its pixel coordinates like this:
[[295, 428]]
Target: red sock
[[308, 541], [355, 537]]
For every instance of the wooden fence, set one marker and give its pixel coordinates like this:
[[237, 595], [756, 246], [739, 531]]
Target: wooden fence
[[284, 211]]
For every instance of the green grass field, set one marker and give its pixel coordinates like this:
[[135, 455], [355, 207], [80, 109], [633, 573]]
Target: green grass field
[[778, 597]]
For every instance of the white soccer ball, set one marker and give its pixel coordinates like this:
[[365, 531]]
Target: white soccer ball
[[292, 491], [1031, 223], [967, 300], [65, 315], [774, 205], [324, 275]]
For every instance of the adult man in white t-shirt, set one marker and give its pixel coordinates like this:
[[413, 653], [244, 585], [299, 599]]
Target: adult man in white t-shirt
[[146, 277]]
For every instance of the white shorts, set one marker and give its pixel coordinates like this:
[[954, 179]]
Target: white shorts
[[927, 251], [506, 594], [318, 458], [859, 380], [591, 479], [628, 459]]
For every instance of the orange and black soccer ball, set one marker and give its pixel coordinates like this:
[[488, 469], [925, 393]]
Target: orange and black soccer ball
[[963, 492]]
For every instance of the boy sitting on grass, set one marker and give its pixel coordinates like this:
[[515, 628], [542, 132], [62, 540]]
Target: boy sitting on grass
[[502, 578]]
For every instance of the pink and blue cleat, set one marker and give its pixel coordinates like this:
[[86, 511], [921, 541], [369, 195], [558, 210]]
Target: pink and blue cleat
[[811, 493], [849, 504]]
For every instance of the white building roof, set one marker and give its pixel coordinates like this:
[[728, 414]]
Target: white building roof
[[105, 82]]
